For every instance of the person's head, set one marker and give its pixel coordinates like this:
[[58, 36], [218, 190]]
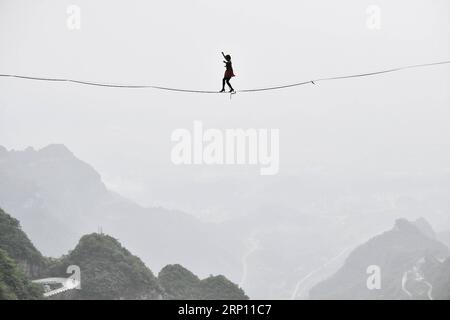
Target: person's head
[[228, 57]]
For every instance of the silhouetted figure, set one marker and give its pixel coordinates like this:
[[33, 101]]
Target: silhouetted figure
[[228, 73]]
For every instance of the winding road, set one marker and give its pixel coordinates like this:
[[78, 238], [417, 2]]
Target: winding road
[[67, 284]]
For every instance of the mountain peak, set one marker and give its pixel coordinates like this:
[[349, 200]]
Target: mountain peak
[[18, 246], [420, 225], [404, 225], [398, 253], [109, 270], [425, 227], [57, 150], [179, 283]]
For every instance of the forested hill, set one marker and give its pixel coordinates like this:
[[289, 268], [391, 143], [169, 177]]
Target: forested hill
[[108, 271]]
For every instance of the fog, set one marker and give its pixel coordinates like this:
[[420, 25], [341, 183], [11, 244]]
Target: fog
[[347, 147]]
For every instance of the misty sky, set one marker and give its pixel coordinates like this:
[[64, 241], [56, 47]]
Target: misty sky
[[390, 123]]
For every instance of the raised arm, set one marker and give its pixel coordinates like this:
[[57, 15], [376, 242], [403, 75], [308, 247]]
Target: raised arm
[[223, 55]]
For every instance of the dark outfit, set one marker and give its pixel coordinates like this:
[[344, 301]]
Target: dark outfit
[[227, 76], [229, 71]]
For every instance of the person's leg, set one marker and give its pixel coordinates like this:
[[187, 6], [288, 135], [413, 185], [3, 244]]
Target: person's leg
[[228, 83], [223, 85]]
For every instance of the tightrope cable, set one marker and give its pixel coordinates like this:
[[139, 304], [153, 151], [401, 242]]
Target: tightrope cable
[[314, 81]]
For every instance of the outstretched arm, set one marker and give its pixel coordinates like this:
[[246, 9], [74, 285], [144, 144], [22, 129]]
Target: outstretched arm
[[223, 54]]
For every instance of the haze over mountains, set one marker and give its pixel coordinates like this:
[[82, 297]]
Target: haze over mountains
[[107, 271], [278, 250], [355, 154], [59, 198], [413, 264]]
